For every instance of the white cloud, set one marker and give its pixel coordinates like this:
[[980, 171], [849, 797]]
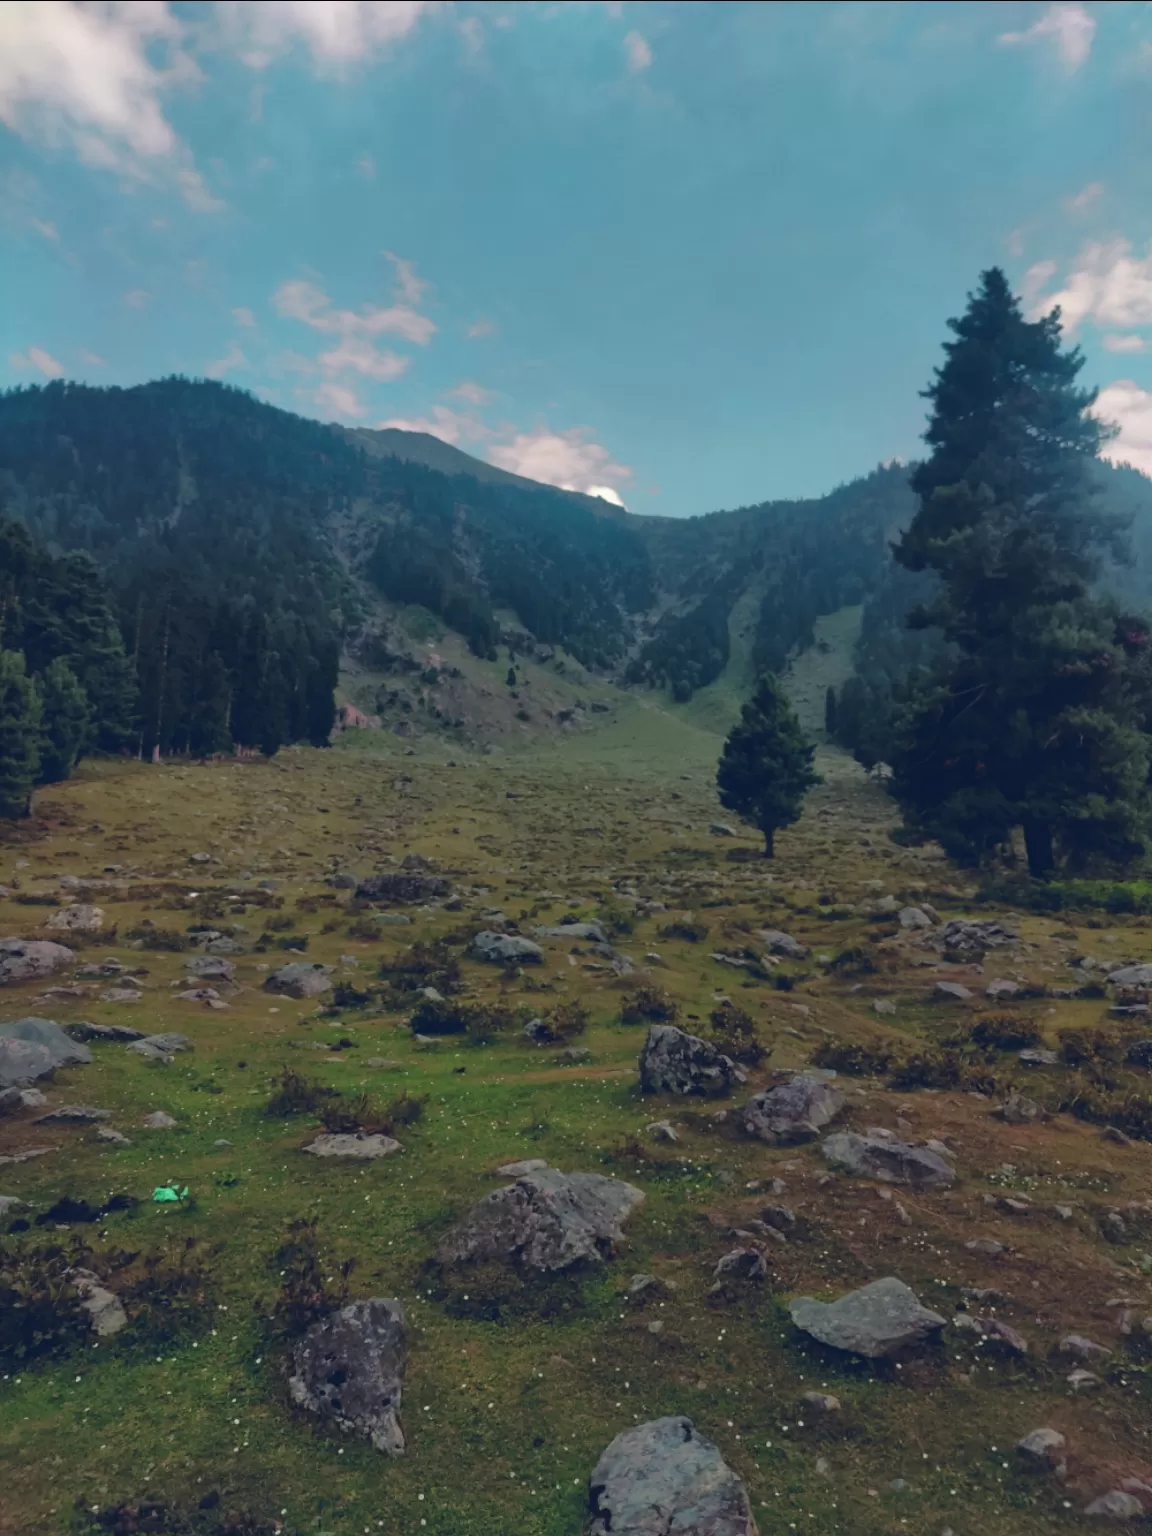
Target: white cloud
[[43, 227], [1015, 243], [450, 426], [637, 51], [410, 289], [37, 358], [1036, 280], [1126, 343], [567, 459], [1085, 198], [302, 300], [93, 359], [480, 328], [1109, 286], [233, 358], [137, 298], [340, 400], [366, 165], [1068, 26], [362, 356], [243, 316], [1130, 408], [337, 33], [91, 77], [473, 393]]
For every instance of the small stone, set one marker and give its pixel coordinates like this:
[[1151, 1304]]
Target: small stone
[[822, 1402], [356, 1145], [1086, 1350], [518, 1170], [663, 1130], [158, 1120], [1018, 1110], [1116, 1505], [1081, 1380], [951, 992], [73, 1114], [1045, 1446], [111, 1138]]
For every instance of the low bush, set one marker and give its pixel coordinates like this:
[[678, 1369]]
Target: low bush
[[648, 1004], [1078, 1047], [1005, 1032], [310, 1287], [40, 1310], [852, 1058], [691, 932], [152, 937], [733, 1031], [422, 965], [295, 1094]]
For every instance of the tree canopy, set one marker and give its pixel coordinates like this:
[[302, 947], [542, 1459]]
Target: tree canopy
[[766, 767]]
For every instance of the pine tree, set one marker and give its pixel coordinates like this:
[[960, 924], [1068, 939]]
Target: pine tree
[[65, 721], [1035, 720], [19, 735], [766, 767]]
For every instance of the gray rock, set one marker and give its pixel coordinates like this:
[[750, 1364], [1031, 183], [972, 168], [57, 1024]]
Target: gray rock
[[408, 888], [1085, 1350], [159, 1120], [779, 943], [9, 1203], [349, 1368], [892, 1162], [1131, 976], [1002, 991], [592, 932], [210, 968], [722, 829], [1037, 1056], [663, 1130], [913, 917], [518, 1170], [951, 992], [745, 1263], [301, 980], [33, 1048], [884, 1006], [115, 1034], [547, 1220], [821, 1402], [112, 1138], [794, 1111], [663, 1479], [73, 1114], [80, 917], [675, 1062], [30, 959], [32, 1098], [1044, 1446], [357, 1145], [505, 949], [120, 995], [161, 1047], [11, 1099], [104, 1308], [1018, 1110], [879, 1320], [964, 940], [207, 996], [1116, 1505]]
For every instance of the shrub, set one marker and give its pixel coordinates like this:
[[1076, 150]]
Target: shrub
[[648, 1004], [734, 1033], [423, 965], [1080, 1046], [481, 1022], [169, 1292], [306, 1292], [345, 995], [618, 920], [567, 1021], [40, 1311], [158, 938], [295, 1094], [856, 960], [1005, 1032], [366, 928], [854, 1059], [692, 932], [152, 1518]]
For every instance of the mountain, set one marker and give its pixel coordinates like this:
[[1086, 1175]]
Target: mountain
[[251, 553]]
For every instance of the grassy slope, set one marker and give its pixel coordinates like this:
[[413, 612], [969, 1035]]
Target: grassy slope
[[505, 1420]]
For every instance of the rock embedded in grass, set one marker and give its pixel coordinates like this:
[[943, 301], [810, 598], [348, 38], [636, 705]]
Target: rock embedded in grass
[[356, 1145], [349, 1367], [779, 943], [591, 932], [33, 1048], [673, 1061], [1043, 1446], [505, 949], [890, 1161], [73, 1114], [116, 1034], [80, 917], [160, 1047], [546, 1220], [663, 1477], [877, 1321], [794, 1111]]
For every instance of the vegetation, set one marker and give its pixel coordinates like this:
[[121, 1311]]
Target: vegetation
[[766, 767]]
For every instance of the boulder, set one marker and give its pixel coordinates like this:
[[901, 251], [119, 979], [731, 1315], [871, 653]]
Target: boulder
[[73, 1114], [210, 968], [159, 1120], [890, 1161], [964, 940], [349, 1367], [80, 918], [1018, 1110], [663, 1479], [1116, 1505], [879, 1320], [118, 1034], [951, 992], [33, 1048], [357, 1145], [1043, 1446], [30, 959], [1131, 976], [913, 917], [408, 888], [1003, 991], [795, 1111], [777, 942], [160, 1047], [593, 932], [302, 979], [505, 949], [675, 1062], [104, 1308], [546, 1220]]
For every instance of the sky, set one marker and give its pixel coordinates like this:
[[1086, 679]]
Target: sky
[[685, 255]]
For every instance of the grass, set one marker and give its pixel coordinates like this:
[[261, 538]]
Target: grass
[[505, 1418]]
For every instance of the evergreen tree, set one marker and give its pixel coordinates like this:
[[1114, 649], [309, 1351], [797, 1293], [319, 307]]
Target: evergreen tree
[[766, 767], [19, 735], [65, 721], [830, 713], [1035, 718]]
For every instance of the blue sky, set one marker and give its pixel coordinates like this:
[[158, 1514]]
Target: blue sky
[[694, 255]]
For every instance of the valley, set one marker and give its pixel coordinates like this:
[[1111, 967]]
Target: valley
[[516, 1383]]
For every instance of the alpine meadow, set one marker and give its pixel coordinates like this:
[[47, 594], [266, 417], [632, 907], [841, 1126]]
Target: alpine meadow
[[528, 1006]]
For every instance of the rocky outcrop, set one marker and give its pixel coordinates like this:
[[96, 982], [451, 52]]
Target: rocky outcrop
[[546, 1221], [877, 1321], [675, 1062], [349, 1368], [31, 959], [664, 1479], [33, 1048], [80, 917], [300, 980], [794, 1111]]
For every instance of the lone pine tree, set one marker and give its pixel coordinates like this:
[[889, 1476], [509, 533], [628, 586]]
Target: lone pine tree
[[766, 767], [1036, 718]]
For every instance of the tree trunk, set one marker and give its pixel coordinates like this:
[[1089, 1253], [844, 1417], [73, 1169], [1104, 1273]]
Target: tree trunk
[[769, 842], [1038, 842]]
